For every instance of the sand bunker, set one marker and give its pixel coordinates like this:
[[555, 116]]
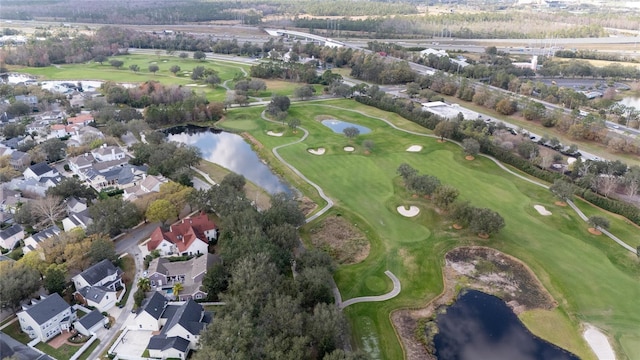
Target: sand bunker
[[414, 148], [599, 343], [349, 148], [411, 212], [318, 151], [542, 210], [271, 133]]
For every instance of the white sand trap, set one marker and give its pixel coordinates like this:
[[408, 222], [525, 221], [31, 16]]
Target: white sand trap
[[599, 343], [318, 151], [192, 85], [414, 148], [542, 210], [411, 212], [271, 133], [349, 148], [571, 160]]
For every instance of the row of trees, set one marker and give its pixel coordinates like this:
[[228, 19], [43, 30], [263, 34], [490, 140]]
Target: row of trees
[[170, 159], [482, 221], [272, 296]]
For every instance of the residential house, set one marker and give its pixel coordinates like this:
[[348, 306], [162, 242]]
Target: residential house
[[34, 186], [108, 153], [39, 127], [30, 100], [191, 236], [61, 130], [163, 274], [14, 142], [82, 120], [90, 323], [19, 160], [39, 171], [86, 134], [9, 200], [98, 286], [150, 317], [46, 317], [33, 242], [10, 236], [81, 163], [75, 205], [149, 184], [181, 331], [11, 348], [80, 219]]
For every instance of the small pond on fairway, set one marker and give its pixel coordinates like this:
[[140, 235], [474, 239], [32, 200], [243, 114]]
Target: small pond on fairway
[[338, 126], [230, 151], [479, 326]]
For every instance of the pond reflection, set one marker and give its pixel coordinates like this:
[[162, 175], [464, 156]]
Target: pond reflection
[[481, 327], [338, 126], [230, 151]]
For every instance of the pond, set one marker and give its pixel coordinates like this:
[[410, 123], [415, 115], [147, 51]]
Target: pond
[[631, 101], [230, 151], [338, 126], [481, 326]]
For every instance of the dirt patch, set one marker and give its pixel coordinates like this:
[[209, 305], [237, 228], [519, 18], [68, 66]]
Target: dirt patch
[[457, 226], [479, 268], [306, 205], [344, 242], [469, 157], [561, 203], [253, 140], [594, 231]]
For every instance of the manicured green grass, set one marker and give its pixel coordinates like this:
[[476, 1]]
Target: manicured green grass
[[15, 332], [594, 281], [89, 350], [65, 351]]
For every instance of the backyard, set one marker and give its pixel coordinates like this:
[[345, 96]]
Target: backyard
[[572, 264]]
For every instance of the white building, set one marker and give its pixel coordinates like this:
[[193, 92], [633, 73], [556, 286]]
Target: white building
[[98, 286], [46, 317]]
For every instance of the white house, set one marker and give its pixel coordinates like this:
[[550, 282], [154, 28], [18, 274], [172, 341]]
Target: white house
[[74, 220], [10, 236], [108, 153], [99, 286], [39, 171], [33, 242], [90, 323], [150, 317], [46, 317], [149, 184], [181, 331], [190, 236]]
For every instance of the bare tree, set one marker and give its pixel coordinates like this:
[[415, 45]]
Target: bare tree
[[607, 183], [49, 208]]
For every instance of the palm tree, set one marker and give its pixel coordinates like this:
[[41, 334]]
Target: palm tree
[[144, 284], [177, 287]]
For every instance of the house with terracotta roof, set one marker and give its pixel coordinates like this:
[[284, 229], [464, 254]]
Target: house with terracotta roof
[[190, 236], [82, 120]]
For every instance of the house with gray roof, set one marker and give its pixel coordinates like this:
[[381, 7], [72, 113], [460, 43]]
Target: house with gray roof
[[150, 316], [13, 349], [9, 199], [39, 171], [10, 236], [90, 323], [163, 275], [33, 242], [19, 160], [180, 332], [99, 286], [80, 219], [46, 317]]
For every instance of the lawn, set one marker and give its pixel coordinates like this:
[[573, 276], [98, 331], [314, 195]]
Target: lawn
[[15, 332], [65, 351], [593, 280], [89, 350], [128, 265]]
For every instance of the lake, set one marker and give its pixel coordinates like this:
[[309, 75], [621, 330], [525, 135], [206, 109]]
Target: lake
[[631, 101], [338, 126], [479, 326], [230, 151]]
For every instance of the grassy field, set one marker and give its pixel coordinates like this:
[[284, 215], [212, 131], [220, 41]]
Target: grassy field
[[105, 72], [593, 280]]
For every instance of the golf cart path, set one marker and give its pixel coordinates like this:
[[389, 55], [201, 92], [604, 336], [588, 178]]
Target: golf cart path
[[390, 295]]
